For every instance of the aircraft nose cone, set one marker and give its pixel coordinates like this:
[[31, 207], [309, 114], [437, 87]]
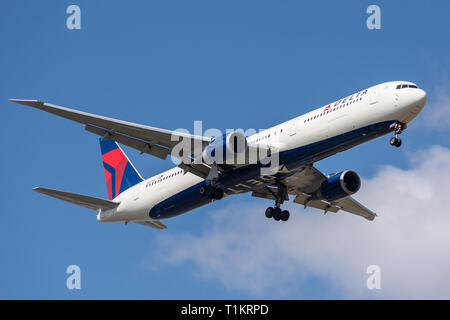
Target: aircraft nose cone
[[414, 101], [413, 98], [421, 96]]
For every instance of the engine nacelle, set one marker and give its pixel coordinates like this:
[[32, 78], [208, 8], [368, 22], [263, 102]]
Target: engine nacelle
[[224, 149], [339, 186]]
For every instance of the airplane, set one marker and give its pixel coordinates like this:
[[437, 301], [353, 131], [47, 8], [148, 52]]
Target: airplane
[[298, 143]]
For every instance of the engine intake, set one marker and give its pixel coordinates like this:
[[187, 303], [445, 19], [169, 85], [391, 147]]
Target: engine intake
[[340, 185], [224, 149]]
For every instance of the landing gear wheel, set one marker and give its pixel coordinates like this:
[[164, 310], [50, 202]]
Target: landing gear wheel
[[399, 127], [211, 192], [277, 214], [269, 212], [218, 193], [396, 142], [285, 215]]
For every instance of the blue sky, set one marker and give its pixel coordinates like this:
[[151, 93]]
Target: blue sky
[[231, 64]]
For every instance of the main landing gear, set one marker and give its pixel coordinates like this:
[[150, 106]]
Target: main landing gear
[[275, 212], [211, 192], [399, 127]]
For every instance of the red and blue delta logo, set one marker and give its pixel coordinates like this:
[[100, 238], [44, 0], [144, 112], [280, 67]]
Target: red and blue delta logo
[[114, 163]]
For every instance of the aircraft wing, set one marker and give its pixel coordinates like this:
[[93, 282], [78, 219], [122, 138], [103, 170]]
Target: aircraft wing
[[309, 180], [155, 141], [306, 182]]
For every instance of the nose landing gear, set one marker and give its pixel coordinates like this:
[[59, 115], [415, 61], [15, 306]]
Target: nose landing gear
[[396, 142], [399, 127]]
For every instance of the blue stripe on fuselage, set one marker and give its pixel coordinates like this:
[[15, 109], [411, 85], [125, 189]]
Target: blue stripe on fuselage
[[249, 178], [182, 202]]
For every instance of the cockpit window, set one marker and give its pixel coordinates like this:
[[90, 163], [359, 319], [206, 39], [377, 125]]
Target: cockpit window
[[401, 86]]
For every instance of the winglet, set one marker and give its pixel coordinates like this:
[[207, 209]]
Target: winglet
[[31, 103]]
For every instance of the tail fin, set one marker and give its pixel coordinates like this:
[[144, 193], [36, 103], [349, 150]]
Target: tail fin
[[120, 173]]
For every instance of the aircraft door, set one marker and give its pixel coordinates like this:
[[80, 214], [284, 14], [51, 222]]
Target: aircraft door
[[293, 128], [396, 99], [374, 95], [137, 191]]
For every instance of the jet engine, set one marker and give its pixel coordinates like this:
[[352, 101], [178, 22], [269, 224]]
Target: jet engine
[[224, 149], [339, 185]]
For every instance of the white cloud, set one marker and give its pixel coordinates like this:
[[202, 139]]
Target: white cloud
[[410, 241]]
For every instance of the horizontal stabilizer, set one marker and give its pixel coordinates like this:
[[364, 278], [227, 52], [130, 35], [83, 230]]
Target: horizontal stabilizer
[[153, 224], [79, 199]]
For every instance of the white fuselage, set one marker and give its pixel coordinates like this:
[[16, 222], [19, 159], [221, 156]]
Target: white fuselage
[[377, 104]]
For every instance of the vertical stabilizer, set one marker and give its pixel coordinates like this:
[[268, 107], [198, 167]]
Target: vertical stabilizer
[[120, 173]]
